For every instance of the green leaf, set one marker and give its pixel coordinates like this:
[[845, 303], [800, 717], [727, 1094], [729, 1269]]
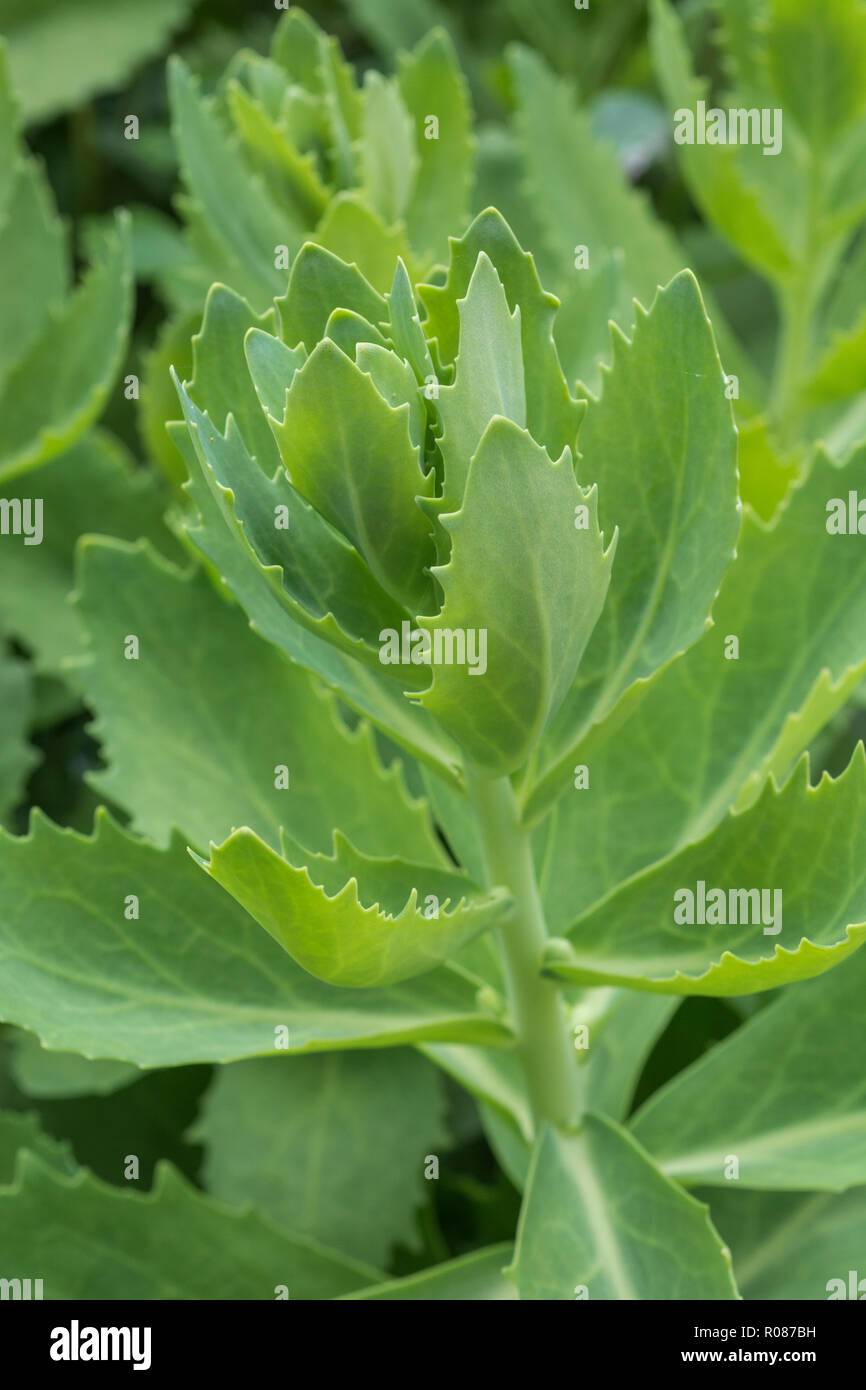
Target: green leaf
[[19, 1132], [157, 405], [582, 330], [293, 177], [349, 331], [146, 1117], [40, 1073], [683, 746], [808, 916], [572, 43], [361, 1122], [600, 1221], [395, 29], [579, 196], [780, 1095], [352, 231], [9, 121], [660, 443], [431, 83], [552, 416], [456, 820], [732, 197], [389, 163], [495, 1077], [171, 1243], [22, 1132], [174, 753], [33, 256], [536, 624], [373, 929], [320, 283], [489, 376], [395, 381], [62, 382], [792, 1245], [271, 365], [57, 61], [92, 487], [766, 470], [474, 1277], [193, 978], [623, 1026], [818, 70], [406, 332], [313, 62], [240, 225], [17, 757], [221, 382], [375, 696], [296, 46], [578, 191], [317, 576], [349, 453], [841, 370]]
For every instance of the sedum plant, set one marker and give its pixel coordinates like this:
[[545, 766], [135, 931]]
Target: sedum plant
[[376, 169], [456, 742], [471, 740], [292, 147]]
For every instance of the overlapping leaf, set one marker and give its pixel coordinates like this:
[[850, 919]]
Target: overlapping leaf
[[661, 446], [61, 382], [600, 1221], [799, 1062], [552, 416], [17, 757], [203, 753], [22, 1131], [769, 866], [171, 1243], [474, 1277], [348, 1123], [235, 224], [535, 622], [214, 533], [489, 375], [351, 920], [54, 60], [192, 978], [349, 453], [792, 1245], [682, 747], [92, 487]]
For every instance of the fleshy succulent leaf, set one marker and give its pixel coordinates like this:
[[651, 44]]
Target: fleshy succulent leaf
[[371, 931], [529, 629], [646, 934], [591, 1225]]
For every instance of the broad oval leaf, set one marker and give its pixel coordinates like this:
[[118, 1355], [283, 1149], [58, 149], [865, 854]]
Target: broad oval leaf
[[600, 1221]]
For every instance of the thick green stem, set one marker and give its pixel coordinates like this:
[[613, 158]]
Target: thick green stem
[[796, 311], [544, 1038]]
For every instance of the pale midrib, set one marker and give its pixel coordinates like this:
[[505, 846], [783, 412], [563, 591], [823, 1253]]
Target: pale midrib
[[767, 1144], [781, 1240], [613, 684], [604, 1237]]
